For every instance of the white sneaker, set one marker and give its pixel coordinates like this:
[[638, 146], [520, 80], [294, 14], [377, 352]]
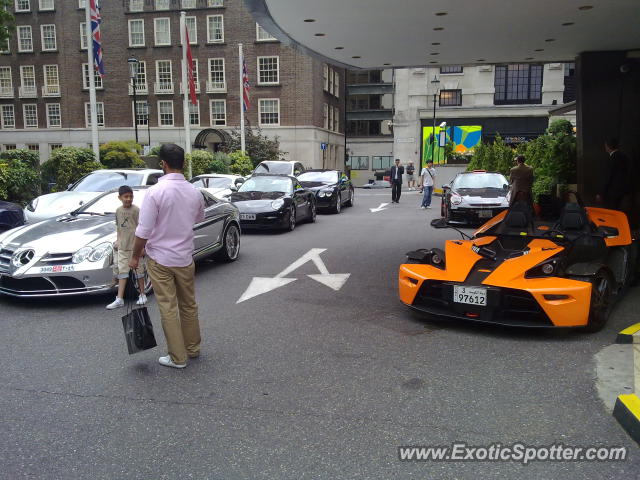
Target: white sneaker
[[422, 208], [428, 206], [166, 361], [117, 303], [142, 299]]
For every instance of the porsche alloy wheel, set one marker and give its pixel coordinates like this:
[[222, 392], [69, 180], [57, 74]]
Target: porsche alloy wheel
[[292, 219], [600, 308], [351, 198], [312, 212]]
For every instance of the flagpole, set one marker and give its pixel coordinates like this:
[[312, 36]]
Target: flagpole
[[93, 112], [242, 137], [185, 97]]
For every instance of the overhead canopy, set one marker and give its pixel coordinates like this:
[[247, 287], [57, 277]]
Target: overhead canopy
[[383, 33]]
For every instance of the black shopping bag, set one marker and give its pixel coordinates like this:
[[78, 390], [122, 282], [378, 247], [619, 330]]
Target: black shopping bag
[[138, 330]]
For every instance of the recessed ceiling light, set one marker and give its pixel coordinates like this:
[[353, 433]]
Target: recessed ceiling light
[[339, 48], [386, 64], [539, 50], [567, 24], [441, 14], [435, 43], [529, 58], [434, 53], [585, 7], [550, 40], [481, 60], [309, 20], [356, 56], [433, 62], [437, 29], [319, 34]]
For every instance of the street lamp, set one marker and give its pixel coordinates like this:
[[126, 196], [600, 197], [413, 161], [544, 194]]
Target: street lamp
[[133, 73], [434, 83]]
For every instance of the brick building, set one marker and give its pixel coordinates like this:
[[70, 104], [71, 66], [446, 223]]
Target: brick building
[[44, 79]]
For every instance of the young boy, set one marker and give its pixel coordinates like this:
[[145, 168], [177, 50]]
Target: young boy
[[126, 222]]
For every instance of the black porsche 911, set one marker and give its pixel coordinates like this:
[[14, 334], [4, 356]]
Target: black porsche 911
[[273, 201], [332, 188]]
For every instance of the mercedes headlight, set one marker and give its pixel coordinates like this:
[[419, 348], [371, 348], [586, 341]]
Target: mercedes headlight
[[277, 204], [456, 199], [33, 204], [81, 255], [100, 252]]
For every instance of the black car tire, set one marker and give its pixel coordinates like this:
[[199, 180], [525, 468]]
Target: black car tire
[[600, 304], [338, 208], [230, 244], [292, 219], [312, 212], [349, 203]]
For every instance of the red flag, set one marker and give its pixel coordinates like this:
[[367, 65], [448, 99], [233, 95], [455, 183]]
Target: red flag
[[190, 73], [245, 86]]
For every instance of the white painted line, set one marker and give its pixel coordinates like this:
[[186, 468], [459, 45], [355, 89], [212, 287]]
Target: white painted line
[[260, 285], [380, 208]]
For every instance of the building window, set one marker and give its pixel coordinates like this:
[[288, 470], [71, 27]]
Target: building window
[[28, 80], [330, 123], [325, 115], [48, 35], [325, 77], [188, 3], [30, 113], [216, 75], [518, 84], [192, 29], [54, 146], [23, 6], [99, 112], [269, 111], [194, 114], [336, 84], [34, 147], [450, 98], [6, 82], [136, 5], [10, 146], [164, 76], [262, 35], [45, 5], [358, 162], [162, 31], [381, 162], [162, 4], [218, 113], [141, 76], [165, 113], [215, 29], [142, 112], [449, 69], [364, 128], [85, 77], [82, 3], [268, 72], [215, 3], [136, 33], [51, 80], [83, 36], [356, 77], [8, 116], [25, 39], [54, 118], [336, 119]]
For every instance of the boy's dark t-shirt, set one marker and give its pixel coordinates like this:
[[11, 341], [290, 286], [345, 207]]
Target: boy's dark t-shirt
[[410, 169], [126, 223]]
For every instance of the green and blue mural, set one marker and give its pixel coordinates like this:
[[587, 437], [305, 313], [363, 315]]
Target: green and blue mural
[[464, 139]]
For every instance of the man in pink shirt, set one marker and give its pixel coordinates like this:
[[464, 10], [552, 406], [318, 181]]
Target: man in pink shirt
[[169, 211]]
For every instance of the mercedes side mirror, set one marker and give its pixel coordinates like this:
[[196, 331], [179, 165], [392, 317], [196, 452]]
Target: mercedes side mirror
[[444, 187], [233, 188]]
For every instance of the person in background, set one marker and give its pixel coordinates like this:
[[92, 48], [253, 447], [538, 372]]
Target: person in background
[[126, 222], [397, 171], [427, 181], [169, 211], [411, 178], [521, 180], [617, 181]]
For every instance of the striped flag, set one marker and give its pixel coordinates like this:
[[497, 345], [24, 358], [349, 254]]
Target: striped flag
[[94, 13], [245, 86], [190, 73]]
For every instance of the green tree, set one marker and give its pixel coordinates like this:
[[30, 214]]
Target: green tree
[[7, 23], [67, 165], [259, 147], [121, 155], [200, 160], [219, 163], [19, 176], [29, 157], [240, 163]]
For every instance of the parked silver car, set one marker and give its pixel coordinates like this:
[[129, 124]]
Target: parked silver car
[[73, 254], [86, 189]]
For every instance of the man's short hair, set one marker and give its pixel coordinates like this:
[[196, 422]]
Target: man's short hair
[[172, 155], [612, 143], [397, 159], [520, 159], [125, 189]]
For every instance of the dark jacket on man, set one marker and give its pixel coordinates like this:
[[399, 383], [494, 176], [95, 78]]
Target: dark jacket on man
[[521, 179], [392, 178]]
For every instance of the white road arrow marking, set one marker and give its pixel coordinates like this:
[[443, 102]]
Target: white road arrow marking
[[380, 208], [260, 285]]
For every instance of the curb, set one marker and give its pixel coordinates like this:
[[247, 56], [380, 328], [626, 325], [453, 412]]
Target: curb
[[629, 335], [627, 412]]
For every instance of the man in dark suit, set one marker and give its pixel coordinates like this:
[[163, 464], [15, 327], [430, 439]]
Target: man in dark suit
[[617, 181], [521, 180], [395, 178]]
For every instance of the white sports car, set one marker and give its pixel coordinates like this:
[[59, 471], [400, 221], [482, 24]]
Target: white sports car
[[218, 184]]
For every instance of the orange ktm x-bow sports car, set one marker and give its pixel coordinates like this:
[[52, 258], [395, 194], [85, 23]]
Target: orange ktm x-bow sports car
[[521, 271]]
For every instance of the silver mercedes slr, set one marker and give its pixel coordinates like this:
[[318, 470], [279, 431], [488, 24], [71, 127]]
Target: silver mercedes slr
[[73, 254]]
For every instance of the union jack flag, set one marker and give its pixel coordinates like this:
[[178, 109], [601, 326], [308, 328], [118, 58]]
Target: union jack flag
[[245, 86], [94, 13]]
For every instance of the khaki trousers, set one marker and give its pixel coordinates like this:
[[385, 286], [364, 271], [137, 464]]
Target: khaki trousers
[[175, 293]]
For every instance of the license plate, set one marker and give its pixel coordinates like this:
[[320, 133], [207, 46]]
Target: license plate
[[57, 269], [470, 295], [484, 213], [247, 216]]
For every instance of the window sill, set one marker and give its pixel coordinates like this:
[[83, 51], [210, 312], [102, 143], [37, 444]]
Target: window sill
[[135, 46], [269, 85], [269, 124], [215, 43], [164, 45]]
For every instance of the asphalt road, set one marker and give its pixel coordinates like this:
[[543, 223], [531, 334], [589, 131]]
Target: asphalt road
[[302, 382]]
